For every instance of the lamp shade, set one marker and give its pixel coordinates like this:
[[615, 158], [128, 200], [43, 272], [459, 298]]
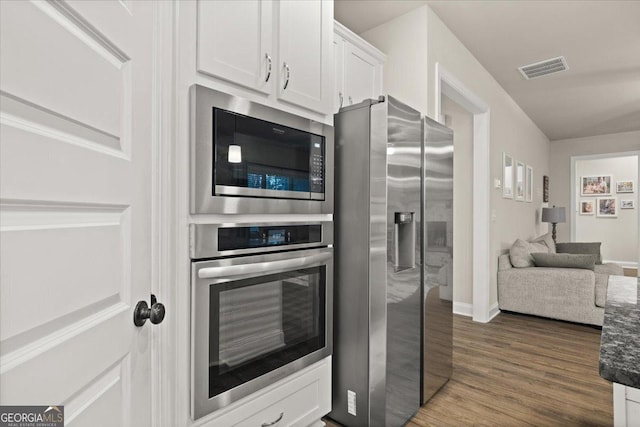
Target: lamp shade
[[553, 215]]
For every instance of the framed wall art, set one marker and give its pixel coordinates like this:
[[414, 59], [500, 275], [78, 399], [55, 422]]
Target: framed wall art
[[507, 176], [528, 193], [595, 185], [519, 187], [607, 207], [627, 204], [586, 207], [545, 189], [624, 187]]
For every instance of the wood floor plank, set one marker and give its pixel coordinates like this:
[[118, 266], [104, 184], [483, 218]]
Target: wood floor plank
[[521, 370]]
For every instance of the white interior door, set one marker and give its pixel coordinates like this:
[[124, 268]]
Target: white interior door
[[75, 180]]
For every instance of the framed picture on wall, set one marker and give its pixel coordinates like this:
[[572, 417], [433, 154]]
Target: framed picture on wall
[[607, 207], [624, 187], [529, 184], [519, 187], [545, 189], [586, 207], [627, 204], [595, 185], [507, 176]]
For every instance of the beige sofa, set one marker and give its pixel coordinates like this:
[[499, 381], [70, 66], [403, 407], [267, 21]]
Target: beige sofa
[[573, 294]]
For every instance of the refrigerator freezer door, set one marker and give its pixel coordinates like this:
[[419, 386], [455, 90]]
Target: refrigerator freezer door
[[404, 170], [438, 258], [360, 301]]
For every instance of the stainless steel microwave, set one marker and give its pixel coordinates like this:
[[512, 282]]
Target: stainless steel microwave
[[249, 158]]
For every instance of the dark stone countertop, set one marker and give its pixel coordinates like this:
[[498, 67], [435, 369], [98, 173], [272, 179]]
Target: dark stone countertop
[[620, 340]]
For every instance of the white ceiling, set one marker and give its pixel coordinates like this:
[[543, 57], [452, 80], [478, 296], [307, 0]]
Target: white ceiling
[[599, 94]]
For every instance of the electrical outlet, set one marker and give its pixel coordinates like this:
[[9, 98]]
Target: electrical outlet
[[351, 402], [497, 183]]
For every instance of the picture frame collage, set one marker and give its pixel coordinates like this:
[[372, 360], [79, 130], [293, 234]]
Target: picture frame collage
[[605, 204], [517, 179]]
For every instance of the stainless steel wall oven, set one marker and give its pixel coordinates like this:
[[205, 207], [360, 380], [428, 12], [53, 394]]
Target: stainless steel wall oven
[[249, 158], [261, 300]]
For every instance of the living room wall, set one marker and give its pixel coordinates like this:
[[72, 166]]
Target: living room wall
[[619, 233], [407, 45], [560, 166]]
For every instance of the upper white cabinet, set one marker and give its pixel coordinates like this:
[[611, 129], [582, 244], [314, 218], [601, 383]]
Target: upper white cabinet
[[235, 42], [281, 49], [306, 57], [358, 68]]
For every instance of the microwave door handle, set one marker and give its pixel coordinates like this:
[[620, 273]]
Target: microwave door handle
[[228, 271]]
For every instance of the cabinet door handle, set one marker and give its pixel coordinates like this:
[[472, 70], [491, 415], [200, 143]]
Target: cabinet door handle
[[350, 100], [272, 423], [286, 83], [341, 99], [268, 67]]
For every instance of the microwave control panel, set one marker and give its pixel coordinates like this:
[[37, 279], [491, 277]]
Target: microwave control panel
[[316, 170]]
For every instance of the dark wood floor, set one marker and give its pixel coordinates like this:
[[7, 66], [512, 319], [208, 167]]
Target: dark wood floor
[[521, 370]]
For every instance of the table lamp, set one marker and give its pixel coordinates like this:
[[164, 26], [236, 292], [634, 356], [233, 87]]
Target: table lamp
[[553, 215]]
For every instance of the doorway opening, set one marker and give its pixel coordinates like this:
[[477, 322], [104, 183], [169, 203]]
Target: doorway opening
[[449, 86]]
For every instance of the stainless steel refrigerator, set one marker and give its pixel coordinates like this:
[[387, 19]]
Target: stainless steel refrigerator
[[393, 254]]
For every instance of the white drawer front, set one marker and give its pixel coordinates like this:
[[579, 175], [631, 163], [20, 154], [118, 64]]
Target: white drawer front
[[300, 399], [633, 394], [633, 414]]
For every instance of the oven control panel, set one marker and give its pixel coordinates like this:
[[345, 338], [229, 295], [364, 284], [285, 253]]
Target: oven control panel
[[234, 238]]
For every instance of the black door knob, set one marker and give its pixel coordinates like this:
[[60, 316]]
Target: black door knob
[[142, 312]]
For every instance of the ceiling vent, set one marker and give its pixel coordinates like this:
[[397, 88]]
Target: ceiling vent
[[550, 66]]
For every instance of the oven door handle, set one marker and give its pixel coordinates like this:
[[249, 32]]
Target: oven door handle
[[227, 271]]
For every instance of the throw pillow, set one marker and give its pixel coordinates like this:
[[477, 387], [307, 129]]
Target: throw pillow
[[520, 253], [564, 260], [591, 248], [547, 240]]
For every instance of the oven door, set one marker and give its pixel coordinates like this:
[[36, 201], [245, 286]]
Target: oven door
[[255, 320]]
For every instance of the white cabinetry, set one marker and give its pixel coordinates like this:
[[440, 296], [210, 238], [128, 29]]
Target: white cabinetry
[[299, 400], [626, 406], [358, 68], [281, 49], [235, 42]]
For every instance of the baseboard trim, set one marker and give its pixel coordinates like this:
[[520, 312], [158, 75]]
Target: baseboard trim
[[463, 309], [624, 264], [493, 311]]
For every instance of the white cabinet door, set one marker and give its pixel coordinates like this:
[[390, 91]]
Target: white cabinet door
[[75, 174], [235, 42], [363, 75], [306, 55], [338, 62]]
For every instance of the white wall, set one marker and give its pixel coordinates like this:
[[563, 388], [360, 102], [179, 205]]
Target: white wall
[[511, 129], [461, 121], [560, 165], [619, 235], [404, 41]]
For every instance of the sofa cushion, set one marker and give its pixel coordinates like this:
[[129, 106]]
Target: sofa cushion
[[547, 239], [601, 289], [520, 252], [564, 260], [580, 248]]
